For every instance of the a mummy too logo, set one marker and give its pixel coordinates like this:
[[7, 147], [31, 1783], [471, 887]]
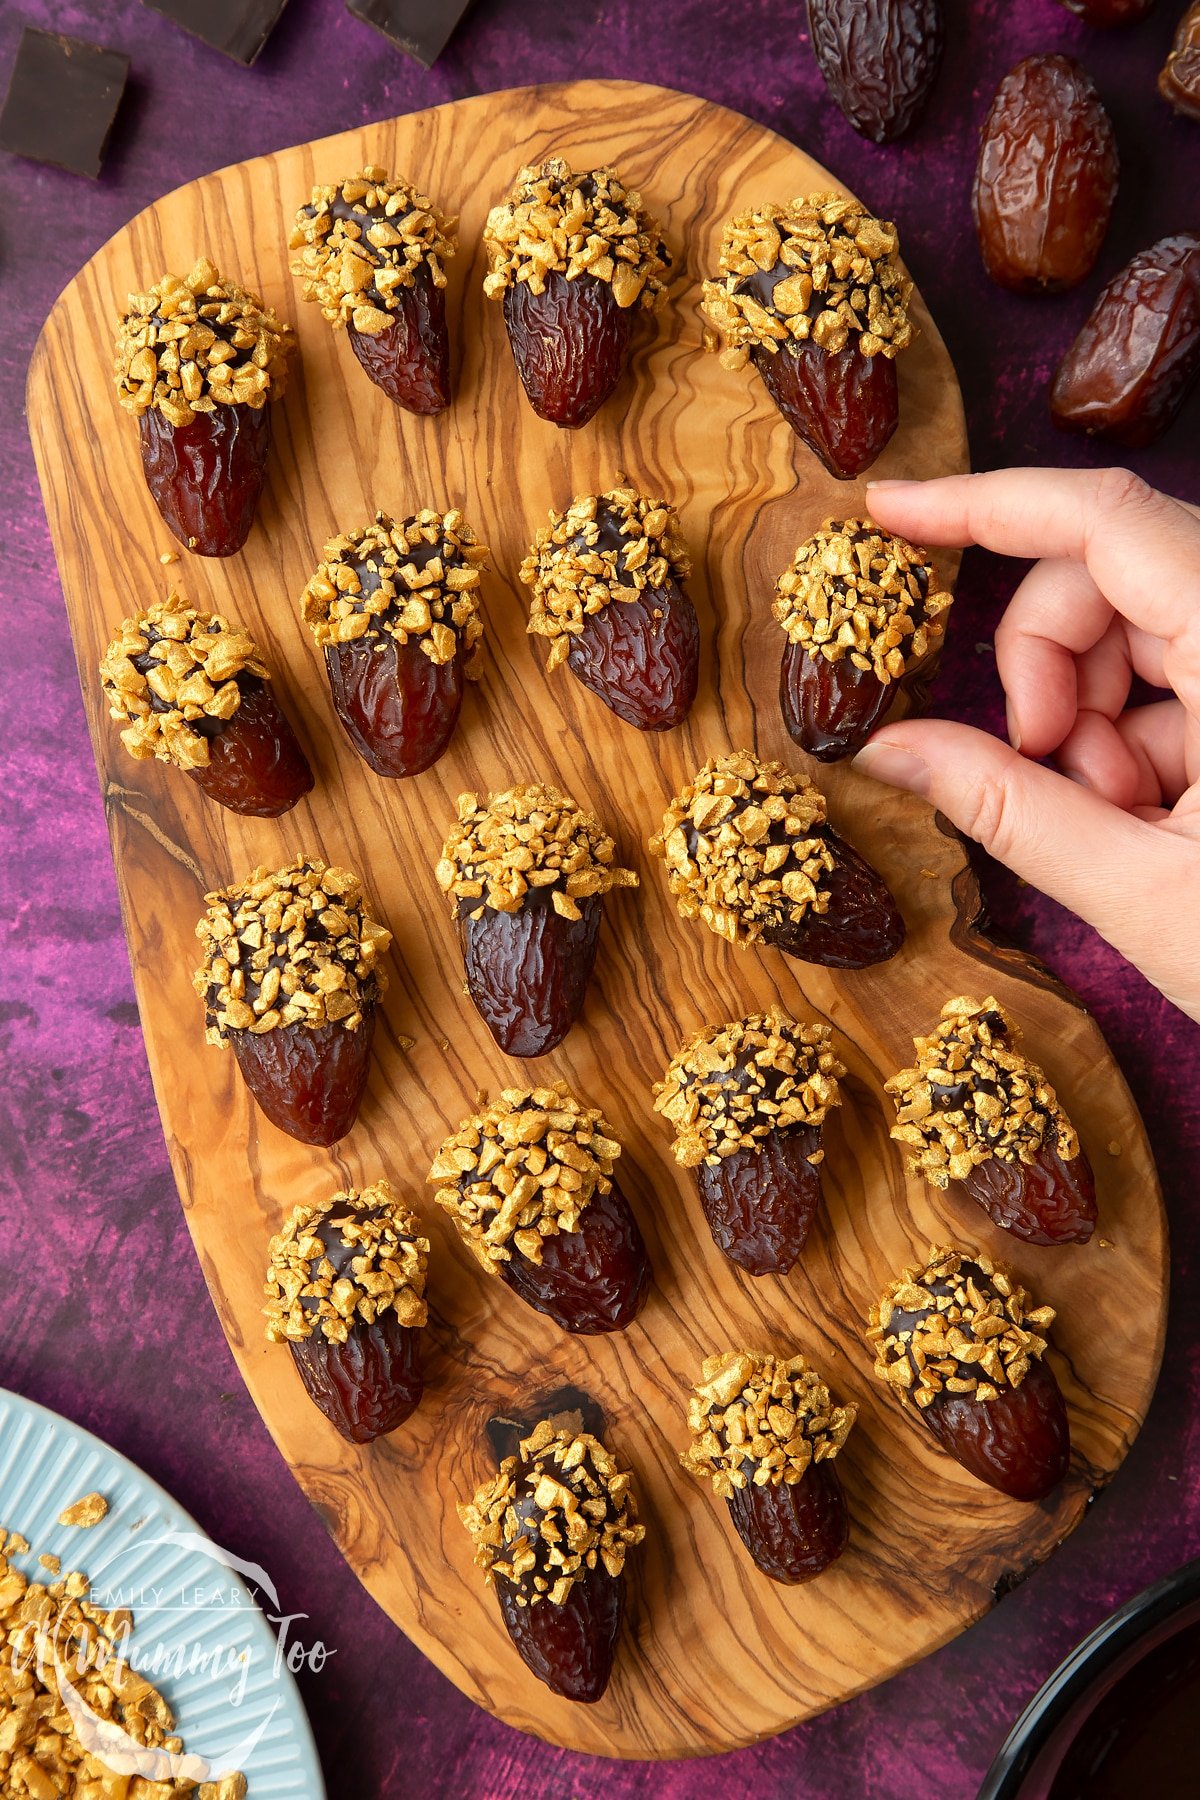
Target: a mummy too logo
[[120, 1656]]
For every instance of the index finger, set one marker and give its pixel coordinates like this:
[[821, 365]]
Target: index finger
[[1141, 548]]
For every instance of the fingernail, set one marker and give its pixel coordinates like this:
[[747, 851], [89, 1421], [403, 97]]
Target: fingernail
[[879, 486], [898, 768], [1014, 734]]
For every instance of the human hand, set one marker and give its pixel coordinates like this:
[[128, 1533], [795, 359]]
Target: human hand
[[1116, 835]]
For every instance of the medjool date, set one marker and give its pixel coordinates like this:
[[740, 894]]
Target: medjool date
[[1046, 177], [879, 59], [1128, 372]]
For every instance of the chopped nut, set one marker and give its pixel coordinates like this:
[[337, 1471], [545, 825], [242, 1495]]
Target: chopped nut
[[289, 946], [841, 280], [761, 1419], [548, 1516], [362, 242], [558, 220], [731, 1085], [83, 1514], [522, 1169], [745, 847], [528, 838], [575, 568], [973, 1095], [192, 344], [415, 578], [347, 1259], [853, 591], [65, 1657], [170, 667], [960, 1324]]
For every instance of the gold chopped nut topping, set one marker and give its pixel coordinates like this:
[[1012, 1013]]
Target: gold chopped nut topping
[[960, 1325], [745, 847], [851, 590], [362, 241], [81, 1515], [731, 1085], [612, 546], [527, 840], [344, 1262], [761, 1419], [522, 1169], [414, 578], [290, 946], [190, 345], [973, 1095], [171, 670], [819, 268], [548, 1516], [567, 222], [65, 1661]]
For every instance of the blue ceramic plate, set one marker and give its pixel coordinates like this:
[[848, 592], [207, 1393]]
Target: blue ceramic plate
[[199, 1635]]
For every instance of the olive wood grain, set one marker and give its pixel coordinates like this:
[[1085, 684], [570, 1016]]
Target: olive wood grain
[[715, 1655]]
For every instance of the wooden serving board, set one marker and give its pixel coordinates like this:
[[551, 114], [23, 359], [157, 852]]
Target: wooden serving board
[[715, 1654]]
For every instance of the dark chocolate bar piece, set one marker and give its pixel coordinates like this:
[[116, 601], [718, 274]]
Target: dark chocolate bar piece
[[237, 28], [421, 28], [62, 100]]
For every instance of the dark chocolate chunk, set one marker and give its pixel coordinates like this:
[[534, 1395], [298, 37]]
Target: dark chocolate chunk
[[237, 28], [62, 100], [421, 28]]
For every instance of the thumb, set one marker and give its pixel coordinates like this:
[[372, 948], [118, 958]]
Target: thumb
[[1127, 878]]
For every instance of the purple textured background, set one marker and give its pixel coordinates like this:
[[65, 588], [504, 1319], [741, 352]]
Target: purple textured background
[[103, 1313]]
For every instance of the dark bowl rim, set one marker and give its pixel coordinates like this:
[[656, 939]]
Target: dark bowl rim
[[1080, 1671]]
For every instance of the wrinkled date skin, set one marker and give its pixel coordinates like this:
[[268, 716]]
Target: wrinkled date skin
[[831, 708], [1109, 12], [410, 359], [255, 763], [592, 1280], [528, 971], [206, 478], [1179, 79], [370, 1384], [1046, 177], [760, 1204], [797, 1529], [1128, 372], [862, 925], [399, 708], [844, 406], [1019, 1442], [308, 1080], [570, 1647], [1048, 1201], [879, 60], [570, 344], [642, 657]]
